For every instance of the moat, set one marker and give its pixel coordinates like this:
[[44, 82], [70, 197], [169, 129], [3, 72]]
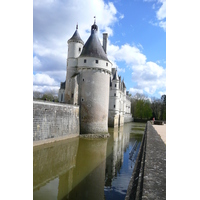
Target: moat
[[87, 169]]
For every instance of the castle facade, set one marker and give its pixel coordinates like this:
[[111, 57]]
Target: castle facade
[[94, 85]]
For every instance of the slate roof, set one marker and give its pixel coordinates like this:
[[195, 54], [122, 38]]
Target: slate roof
[[115, 77], [93, 47], [76, 37]]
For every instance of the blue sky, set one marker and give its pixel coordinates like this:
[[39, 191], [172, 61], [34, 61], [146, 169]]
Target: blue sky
[[136, 42]]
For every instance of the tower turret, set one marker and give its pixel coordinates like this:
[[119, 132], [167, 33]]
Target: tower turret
[[94, 70], [75, 46]]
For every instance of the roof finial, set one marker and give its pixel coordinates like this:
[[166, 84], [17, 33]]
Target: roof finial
[[76, 26], [94, 27]]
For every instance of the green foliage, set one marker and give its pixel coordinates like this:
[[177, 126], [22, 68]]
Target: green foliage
[[142, 108], [47, 97], [163, 107]]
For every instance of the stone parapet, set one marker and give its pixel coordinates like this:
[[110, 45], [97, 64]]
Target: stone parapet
[[148, 180]]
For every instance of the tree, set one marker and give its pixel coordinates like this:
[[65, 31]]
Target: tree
[[163, 107], [48, 96], [147, 110], [156, 107], [141, 107], [37, 95]]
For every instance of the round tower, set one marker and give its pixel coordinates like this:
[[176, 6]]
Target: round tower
[[75, 46], [94, 70]]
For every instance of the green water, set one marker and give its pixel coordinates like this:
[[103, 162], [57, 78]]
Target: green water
[[86, 168]]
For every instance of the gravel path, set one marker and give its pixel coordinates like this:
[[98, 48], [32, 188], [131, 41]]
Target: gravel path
[[161, 130]]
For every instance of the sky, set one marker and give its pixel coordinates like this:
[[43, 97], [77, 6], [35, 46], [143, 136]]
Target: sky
[[136, 40]]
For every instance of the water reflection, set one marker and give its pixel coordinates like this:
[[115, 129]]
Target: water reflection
[[50, 163], [89, 174], [85, 168]]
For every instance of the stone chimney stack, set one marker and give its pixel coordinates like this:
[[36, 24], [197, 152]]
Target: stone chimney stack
[[105, 37]]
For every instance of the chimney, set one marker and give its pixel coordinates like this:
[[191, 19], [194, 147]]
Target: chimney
[[105, 37]]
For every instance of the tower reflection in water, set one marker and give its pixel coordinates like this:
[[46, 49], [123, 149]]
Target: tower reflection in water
[[83, 168]]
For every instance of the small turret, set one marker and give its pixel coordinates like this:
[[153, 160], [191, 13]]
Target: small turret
[[75, 45]]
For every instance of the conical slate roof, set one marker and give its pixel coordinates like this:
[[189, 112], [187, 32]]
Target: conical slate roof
[[93, 47], [76, 37], [115, 77]]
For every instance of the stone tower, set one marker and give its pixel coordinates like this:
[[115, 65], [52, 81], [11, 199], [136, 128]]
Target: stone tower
[[94, 71], [75, 46], [114, 103]]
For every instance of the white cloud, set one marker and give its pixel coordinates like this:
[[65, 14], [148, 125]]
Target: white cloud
[[44, 79], [121, 16], [148, 76], [140, 46], [36, 62], [129, 54], [54, 22], [161, 13], [133, 91], [162, 24], [46, 89], [52, 31], [162, 92]]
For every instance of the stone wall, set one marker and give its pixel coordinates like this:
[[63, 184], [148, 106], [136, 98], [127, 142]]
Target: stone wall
[[54, 120], [148, 180], [94, 99]]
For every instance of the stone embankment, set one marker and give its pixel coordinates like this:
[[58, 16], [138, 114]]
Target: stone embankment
[[54, 121], [148, 179]]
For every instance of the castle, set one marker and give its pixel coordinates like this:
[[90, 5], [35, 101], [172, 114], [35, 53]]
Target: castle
[[94, 85]]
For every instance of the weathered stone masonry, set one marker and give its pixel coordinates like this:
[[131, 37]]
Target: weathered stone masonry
[[148, 180], [54, 120]]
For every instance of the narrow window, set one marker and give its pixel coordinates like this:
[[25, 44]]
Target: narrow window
[[84, 60], [97, 61], [82, 99], [79, 49], [114, 106], [72, 95], [83, 79], [115, 85], [106, 64]]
